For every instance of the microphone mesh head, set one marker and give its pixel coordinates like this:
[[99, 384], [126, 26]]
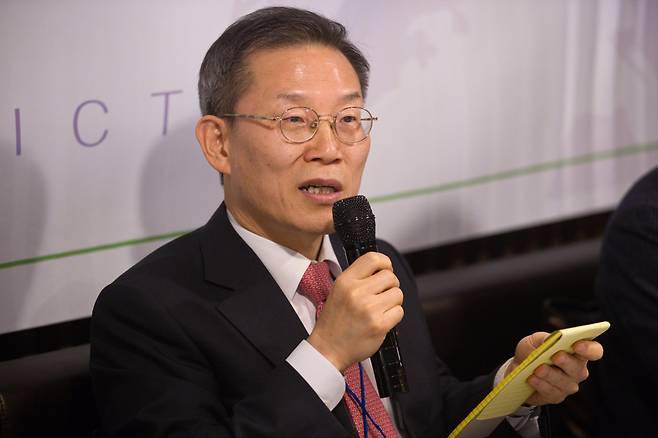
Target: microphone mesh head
[[354, 221]]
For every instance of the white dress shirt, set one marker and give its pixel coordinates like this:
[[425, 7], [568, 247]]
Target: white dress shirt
[[287, 267]]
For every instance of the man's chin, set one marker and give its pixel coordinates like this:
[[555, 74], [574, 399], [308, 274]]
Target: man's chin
[[322, 226], [330, 229], [322, 229]]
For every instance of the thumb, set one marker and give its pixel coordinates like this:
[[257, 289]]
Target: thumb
[[537, 338], [525, 347], [529, 343]]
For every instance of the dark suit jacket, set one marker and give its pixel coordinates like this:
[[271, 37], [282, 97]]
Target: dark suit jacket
[[627, 289], [192, 342]]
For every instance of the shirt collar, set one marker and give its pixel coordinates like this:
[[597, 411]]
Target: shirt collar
[[286, 266]]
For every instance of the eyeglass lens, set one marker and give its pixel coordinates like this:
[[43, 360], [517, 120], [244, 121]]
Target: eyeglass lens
[[352, 124]]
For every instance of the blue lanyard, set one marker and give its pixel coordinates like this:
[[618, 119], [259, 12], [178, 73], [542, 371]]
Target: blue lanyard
[[361, 403]]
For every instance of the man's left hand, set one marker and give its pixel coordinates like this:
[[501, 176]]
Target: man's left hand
[[553, 383]]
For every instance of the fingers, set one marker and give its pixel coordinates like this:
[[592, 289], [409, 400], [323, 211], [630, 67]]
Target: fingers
[[588, 350], [365, 303], [370, 275], [368, 264], [389, 299], [552, 385], [571, 365], [392, 317], [384, 310], [383, 280]]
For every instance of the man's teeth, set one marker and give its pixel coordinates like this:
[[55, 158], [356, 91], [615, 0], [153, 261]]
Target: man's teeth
[[317, 190]]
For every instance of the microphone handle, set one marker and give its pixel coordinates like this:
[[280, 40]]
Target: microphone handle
[[386, 362]]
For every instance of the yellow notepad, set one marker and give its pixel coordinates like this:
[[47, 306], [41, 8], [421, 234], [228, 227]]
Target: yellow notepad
[[513, 390]]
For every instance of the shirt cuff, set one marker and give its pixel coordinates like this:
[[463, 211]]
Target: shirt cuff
[[525, 419], [320, 374], [500, 374]]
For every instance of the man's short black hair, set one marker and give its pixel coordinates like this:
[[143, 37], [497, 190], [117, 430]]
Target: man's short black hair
[[224, 77]]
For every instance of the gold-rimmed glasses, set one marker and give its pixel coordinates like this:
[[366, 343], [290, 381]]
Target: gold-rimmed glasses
[[300, 124]]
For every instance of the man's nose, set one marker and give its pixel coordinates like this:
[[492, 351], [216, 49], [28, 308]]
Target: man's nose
[[324, 145]]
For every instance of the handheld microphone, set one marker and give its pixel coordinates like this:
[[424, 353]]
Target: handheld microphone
[[355, 226]]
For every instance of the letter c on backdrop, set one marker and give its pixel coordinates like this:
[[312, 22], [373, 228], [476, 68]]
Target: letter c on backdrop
[[75, 123]]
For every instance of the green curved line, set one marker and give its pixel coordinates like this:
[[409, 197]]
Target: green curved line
[[97, 248], [523, 171], [424, 191]]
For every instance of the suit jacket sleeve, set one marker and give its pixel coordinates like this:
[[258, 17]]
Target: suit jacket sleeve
[[438, 401], [151, 379], [435, 394]]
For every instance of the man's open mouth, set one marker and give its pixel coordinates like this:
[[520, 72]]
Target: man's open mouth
[[318, 190]]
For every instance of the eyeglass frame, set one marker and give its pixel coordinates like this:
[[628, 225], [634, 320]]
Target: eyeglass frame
[[320, 118]]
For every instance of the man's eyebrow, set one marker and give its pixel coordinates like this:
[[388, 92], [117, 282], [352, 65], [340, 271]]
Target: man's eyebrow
[[352, 96], [297, 97]]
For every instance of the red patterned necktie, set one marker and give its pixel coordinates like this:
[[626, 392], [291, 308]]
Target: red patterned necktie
[[316, 285]]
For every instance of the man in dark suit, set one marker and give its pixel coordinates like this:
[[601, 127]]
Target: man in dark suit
[[218, 333], [627, 290]]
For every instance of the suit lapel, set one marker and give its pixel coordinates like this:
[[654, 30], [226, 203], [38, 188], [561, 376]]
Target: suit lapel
[[256, 305]]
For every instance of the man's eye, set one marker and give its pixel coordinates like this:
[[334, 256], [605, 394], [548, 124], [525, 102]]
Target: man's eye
[[348, 119], [295, 120]]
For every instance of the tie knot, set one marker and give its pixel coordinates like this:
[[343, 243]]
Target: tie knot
[[316, 283]]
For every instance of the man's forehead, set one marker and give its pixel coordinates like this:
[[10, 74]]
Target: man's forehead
[[298, 74]]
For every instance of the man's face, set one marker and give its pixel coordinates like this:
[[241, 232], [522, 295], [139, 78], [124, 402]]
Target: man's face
[[267, 184]]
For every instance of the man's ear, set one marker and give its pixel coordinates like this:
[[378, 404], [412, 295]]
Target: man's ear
[[212, 135]]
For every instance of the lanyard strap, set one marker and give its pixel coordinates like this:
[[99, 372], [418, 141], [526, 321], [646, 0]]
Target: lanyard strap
[[361, 403]]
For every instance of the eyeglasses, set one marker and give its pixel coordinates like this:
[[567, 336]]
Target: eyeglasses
[[300, 124]]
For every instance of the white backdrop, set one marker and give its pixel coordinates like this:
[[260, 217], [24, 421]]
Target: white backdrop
[[493, 116]]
